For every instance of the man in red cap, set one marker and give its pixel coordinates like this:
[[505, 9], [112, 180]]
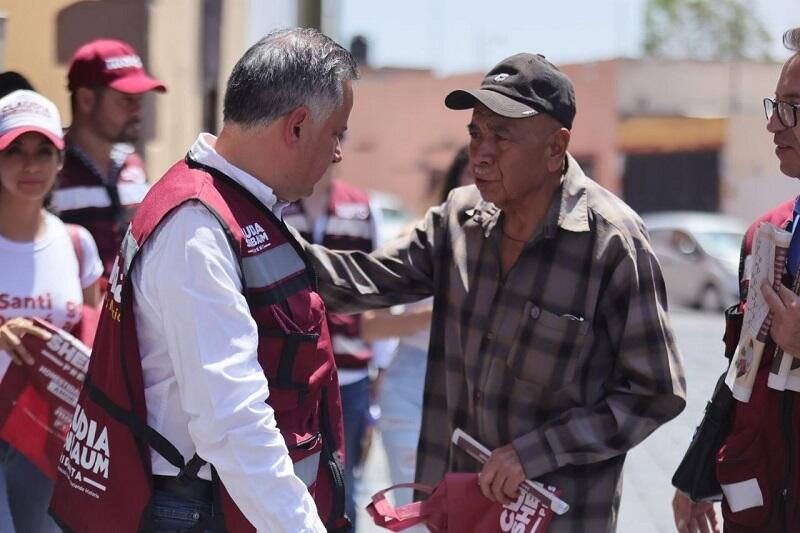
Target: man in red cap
[[103, 179]]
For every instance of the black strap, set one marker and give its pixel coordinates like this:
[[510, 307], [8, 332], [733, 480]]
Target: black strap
[[338, 521], [116, 204], [140, 429], [217, 522], [286, 362], [189, 472], [292, 341]]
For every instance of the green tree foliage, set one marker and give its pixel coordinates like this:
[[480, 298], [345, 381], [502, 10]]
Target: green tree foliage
[[704, 29]]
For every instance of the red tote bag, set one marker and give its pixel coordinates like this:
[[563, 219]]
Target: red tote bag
[[457, 505], [37, 401]]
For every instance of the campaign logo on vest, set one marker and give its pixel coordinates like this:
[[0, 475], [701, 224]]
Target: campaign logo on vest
[[255, 237], [115, 281], [86, 454]]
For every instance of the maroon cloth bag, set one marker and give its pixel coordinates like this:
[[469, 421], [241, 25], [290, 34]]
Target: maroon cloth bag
[[457, 505]]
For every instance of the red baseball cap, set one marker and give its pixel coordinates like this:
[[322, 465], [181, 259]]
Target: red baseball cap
[[110, 63]]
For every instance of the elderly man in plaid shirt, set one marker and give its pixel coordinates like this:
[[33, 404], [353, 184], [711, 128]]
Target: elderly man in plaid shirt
[[551, 342]]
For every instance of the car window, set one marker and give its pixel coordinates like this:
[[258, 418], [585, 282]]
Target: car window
[[720, 244], [659, 237]]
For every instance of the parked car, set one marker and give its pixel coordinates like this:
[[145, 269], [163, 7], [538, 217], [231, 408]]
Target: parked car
[[699, 256], [391, 215]]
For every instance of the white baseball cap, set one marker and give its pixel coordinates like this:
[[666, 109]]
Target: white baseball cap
[[23, 111]]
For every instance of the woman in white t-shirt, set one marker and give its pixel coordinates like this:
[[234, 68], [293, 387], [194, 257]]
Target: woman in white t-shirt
[[40, 276]]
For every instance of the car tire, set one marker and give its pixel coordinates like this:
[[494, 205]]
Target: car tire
[[710, 299]]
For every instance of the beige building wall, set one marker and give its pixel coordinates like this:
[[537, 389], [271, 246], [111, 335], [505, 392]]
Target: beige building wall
[[594, 130], [750, 180], [233, 42], [31, 46], [175, 60], [42, 35], [693, 88], [753, 181], [400, 133]]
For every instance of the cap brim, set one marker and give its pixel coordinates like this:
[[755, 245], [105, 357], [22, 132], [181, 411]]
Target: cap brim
[[137, 85], [9, 136], [496, 102]]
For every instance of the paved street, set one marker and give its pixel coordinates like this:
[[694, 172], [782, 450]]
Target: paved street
[[647, 494]]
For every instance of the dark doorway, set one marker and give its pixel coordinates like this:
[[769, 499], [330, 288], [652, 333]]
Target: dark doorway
[[677, 181]]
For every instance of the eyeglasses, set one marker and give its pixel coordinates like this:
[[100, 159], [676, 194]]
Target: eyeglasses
[[787, 112]]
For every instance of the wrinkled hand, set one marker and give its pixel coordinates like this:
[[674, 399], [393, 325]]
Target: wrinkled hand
[[501, 475], [785, 307], [693, 517], [11, 334]]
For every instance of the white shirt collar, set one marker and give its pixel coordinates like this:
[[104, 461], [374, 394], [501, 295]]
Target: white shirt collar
[[203, 151]]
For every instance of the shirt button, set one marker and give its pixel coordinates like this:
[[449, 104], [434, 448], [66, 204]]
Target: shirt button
[[490, 336], [478, 395], [535, 312]]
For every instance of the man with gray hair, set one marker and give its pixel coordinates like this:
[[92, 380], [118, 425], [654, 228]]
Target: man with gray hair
[[230, 385]]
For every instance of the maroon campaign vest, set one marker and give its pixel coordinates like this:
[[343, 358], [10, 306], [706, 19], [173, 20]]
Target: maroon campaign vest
[[83, 197], [104, 474], [764, 430], [349, 227]]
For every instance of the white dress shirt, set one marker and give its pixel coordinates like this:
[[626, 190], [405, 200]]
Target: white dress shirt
[[204, 387]]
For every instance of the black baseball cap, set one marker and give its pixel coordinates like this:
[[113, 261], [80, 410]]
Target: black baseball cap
[[521, 86]]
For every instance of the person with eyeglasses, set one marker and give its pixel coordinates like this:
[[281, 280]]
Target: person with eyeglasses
[[786, 111], [758, 464]]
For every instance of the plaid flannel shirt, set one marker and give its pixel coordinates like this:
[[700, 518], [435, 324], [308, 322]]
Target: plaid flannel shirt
[[570, 355]]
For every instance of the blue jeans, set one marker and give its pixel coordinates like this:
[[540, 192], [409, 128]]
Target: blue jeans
[[401, 415], [355, 409], [175, 514], [24, 495]]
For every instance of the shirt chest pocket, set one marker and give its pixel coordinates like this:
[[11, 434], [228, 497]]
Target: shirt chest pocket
[[548, 348]]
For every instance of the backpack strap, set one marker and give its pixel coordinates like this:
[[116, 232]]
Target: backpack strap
[[75, 237]]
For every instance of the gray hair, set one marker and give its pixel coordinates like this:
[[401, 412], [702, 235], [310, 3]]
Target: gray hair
[[287, 69], [791, 39]]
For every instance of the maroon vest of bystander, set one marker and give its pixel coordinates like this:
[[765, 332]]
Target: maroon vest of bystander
[[104, 206], [348, 226]]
